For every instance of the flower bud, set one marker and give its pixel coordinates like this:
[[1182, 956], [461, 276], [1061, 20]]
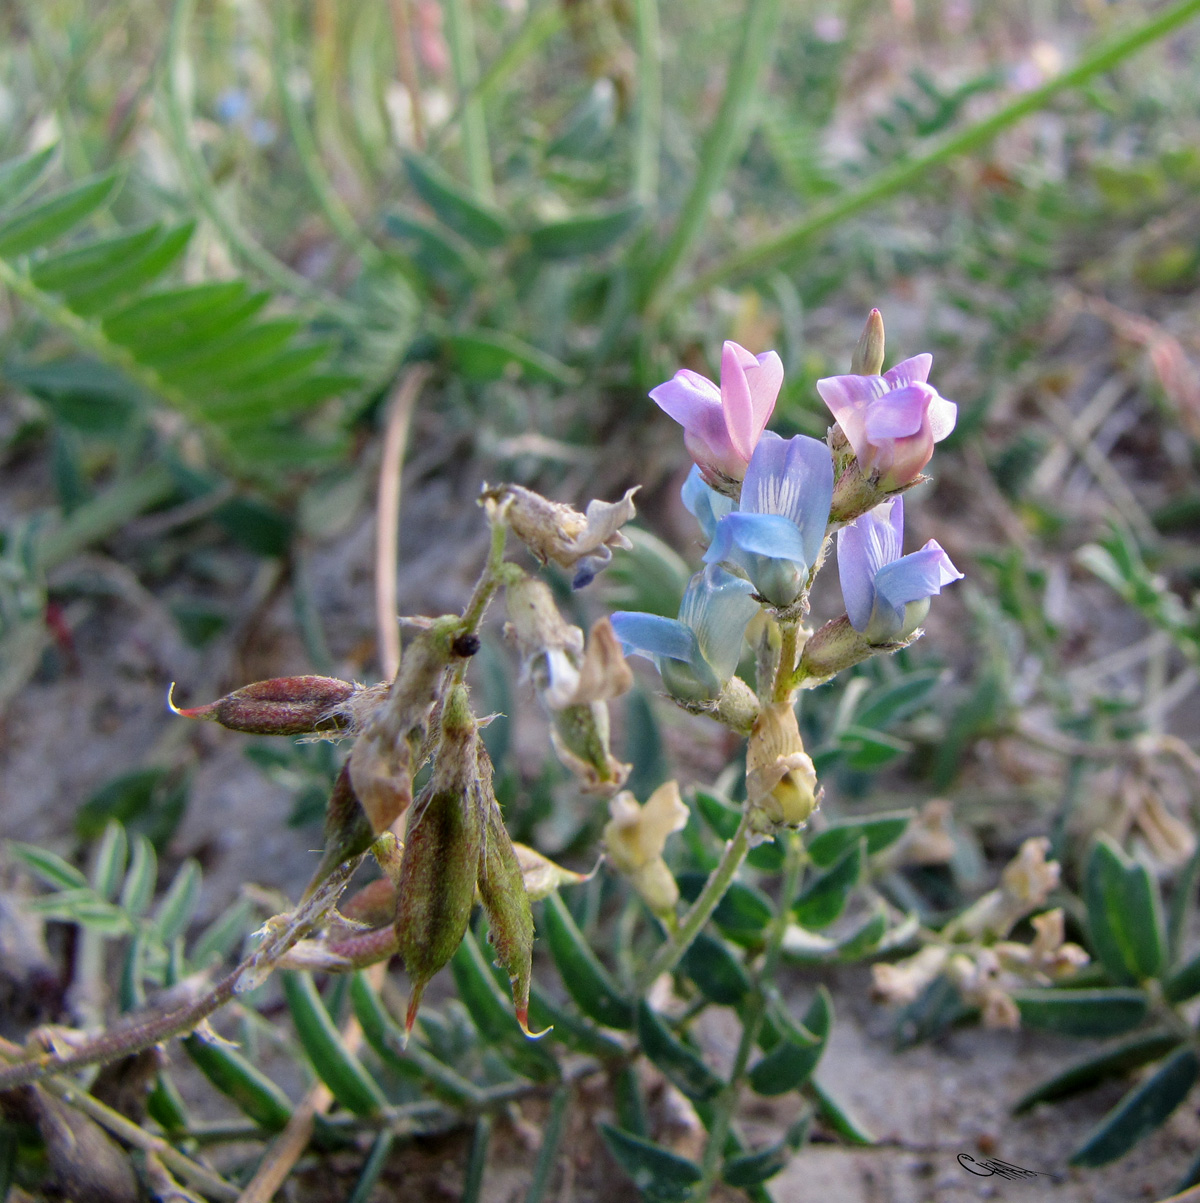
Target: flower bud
[[442, 850], [781, 781], [281, 706], [837, 646], [867, 359], [505, 900]]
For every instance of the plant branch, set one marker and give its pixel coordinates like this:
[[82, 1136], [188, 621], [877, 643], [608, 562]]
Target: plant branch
[[896, 179]]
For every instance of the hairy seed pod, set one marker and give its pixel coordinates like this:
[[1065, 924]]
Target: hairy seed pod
[[347, 830], [442, 850], [281, 706], [505, 900]]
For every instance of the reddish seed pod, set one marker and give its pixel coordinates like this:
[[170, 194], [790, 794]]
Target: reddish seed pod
[[281, 706]]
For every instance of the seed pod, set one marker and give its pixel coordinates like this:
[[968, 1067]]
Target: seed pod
[[347, 830], [281, 706], [505, 901], [441, 854], [382, 761]]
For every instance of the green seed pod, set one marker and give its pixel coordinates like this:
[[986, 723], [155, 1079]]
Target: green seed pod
[[505, 901], [347, 829], [441, 854], [281, 706]]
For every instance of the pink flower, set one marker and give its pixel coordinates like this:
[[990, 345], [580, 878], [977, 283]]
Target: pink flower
[[721, 427], [892, 421]]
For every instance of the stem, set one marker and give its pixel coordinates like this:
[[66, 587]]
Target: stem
[[489, 579], [668, 954], [205, 196], [788, 654], [460, 37], [649, 102], [896, 179], [726, 1101], [723, 139]]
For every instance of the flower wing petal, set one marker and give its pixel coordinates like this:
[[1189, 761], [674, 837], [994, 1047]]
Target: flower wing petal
[[899, 414], [717, 605], [865, 546], [706, 505], [652, 635], [916, 576], [910, 371]]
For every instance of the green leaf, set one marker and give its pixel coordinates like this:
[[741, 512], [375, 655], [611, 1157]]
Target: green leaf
[[18, 176], [1112, 1062], [83, 265], [743, 912], [80, 392], [880, 832], [335, 1064], [711, 964], [586, 234], [138, 890], [866, 750], [1184, 983], [436, 254], [50, 867], [587, 981], [169, 320], [824, 898], [178, 904], [54, 215], [660, 1175], [1082, 1012], [83, 907], [480, 225], [1124, 914], [224, 933], [682, 1065], [791, 1063], [721, 816], [837, 1115], [255, 1095], [493, 354], [108, 861], [149, 801], [1183, 900], [752, 1168], [132, 275], [898, 700], [1141, 1111]]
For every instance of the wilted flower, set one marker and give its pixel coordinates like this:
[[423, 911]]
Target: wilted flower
[[721, 426], [1024, 886], [891, 421], [556, 532], [887, 594], [775, 535], [635, 837], [781, 781], [902, 982], [698, 652]]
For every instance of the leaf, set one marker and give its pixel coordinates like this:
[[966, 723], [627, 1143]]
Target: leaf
[[837, 1115], [335, 1064], [18, 176], [711, 964], [791, 1063], [823, 899], [660, 1175], [585, 234], [866, 750], [1082, 1012], [50, 867], [752, 1168], [479, 224], [170, 319], [149, 801], [1184, 983], [682, 1066], [54, 215], [494, 354], [587, 981], [108, 860], [1141, 1111], [743, 912], [880, 832], [135, 273], [1110, 1063], [82, 265], [1124, 914], [898, 700], [255, 1095], [138, 890], [178, 904], [439, 256], [83, 907]]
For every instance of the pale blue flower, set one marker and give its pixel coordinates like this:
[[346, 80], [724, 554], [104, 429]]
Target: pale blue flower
[[775, 535], [887, 594], [699, 651]]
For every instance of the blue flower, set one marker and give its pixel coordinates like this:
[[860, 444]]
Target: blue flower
[[887, 594], [699, 651], [705, 504], [774, 537]]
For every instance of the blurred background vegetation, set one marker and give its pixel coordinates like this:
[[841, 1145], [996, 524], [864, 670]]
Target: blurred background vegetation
[[231, 232]]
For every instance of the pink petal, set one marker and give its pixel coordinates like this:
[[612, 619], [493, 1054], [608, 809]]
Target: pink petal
[[943, 415], [736, 399], [910, 371], [898, 414], [765, 380]]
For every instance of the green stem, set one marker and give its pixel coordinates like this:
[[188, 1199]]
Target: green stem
[[460, 37], [722, 141], [669, 952], [204, 194], [896, 179], [105, 514], [752, 1020], [649, 102], [489, 580], [340, 219]]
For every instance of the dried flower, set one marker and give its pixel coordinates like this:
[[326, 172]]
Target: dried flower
[[635, 837], [781, 781]]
